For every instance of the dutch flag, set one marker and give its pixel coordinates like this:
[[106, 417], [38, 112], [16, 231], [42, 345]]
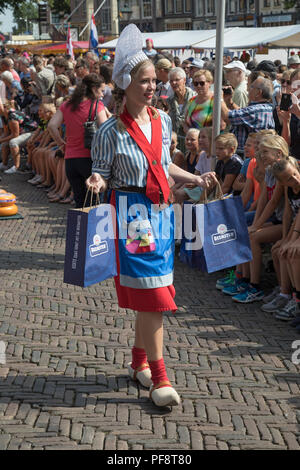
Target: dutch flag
[[94, 35]]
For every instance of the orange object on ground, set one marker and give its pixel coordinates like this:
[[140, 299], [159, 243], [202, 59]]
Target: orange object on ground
[[7, 199], [8, 210]]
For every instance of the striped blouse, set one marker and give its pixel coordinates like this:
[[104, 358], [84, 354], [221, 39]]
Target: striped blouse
[[117, 157]]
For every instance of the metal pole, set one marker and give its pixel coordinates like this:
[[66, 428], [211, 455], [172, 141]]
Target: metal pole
[[218, 73], [91, 16]]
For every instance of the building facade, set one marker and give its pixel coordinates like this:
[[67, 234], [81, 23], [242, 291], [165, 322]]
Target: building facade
[[167, 15]]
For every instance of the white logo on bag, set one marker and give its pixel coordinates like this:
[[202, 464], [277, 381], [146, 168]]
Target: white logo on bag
[[223, 235], [99, 247]]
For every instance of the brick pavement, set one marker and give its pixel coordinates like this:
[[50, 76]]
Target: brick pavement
[[65, 386]]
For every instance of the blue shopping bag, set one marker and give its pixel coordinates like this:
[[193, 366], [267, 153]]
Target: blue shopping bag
[[90, 246], [215, 235]]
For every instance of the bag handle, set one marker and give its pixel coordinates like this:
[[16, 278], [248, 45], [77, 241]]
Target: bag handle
[[91, 110], [219, 194], [91, 201]]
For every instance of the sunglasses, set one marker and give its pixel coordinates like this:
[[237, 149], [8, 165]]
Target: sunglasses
[[288, 82], [199, 83]]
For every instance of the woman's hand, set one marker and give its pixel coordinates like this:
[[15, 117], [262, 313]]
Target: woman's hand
[[293, 250], [283, 116], [96, 183], [206, 180]]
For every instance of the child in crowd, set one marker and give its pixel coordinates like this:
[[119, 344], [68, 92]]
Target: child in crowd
[[249, 153], [286, 252], [173, 148], [205, 160], [267, 224], [228, 163]]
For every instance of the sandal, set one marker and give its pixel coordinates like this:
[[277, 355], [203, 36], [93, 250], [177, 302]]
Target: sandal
[[56, 199], [66, 200], [142, 374], [163, 394]]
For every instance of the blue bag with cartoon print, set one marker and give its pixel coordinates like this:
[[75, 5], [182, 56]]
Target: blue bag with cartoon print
[[215, 234], [90, 246]]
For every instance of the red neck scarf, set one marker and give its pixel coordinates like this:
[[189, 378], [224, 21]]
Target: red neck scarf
[[157, 182]]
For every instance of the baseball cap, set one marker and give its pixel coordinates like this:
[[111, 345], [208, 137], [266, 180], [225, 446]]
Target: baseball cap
[[197, 63], [235, 64], [293, 60]]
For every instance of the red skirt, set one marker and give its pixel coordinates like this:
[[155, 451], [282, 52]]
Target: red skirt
[[159, 299]]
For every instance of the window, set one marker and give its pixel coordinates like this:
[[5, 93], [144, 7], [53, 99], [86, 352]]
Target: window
[[169, 6], [277, 3], [147, 8], [210, 7], [158, 8], [200, 8], [232, 6], [105, 18], [179, 6], [267, 3], [187, 6]]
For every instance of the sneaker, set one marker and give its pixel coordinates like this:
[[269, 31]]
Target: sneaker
[[275, 305], [11, 170], [236, 288], [289, 312], [3, 167], [272, 295], [226, 281], [251, 294]]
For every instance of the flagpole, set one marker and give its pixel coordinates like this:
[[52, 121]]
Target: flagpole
[[90, 19]]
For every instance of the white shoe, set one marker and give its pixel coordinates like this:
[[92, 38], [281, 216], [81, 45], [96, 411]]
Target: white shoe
[[164, 395], [3, 167], [11, 170], [35, 179], [142, 374]]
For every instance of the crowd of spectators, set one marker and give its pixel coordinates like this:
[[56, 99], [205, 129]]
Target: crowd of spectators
[[45, 101]]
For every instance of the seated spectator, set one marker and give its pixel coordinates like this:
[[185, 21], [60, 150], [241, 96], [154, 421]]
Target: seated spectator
[[204, 163], [20, 128], [81, 69], [173, 148], [7, 65], [24, 67], [269, 68], [106, 73], [256, 116], [267, 224], [228, 163], [285, 299], [13, 88], [150, 51], [160, 103], [61, 65], [62, 86], [249, 153]]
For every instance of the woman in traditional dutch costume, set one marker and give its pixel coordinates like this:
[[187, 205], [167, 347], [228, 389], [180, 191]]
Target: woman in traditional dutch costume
[[131, 156]]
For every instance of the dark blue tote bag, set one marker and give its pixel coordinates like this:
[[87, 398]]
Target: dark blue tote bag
[[215, 235], [90, 246]]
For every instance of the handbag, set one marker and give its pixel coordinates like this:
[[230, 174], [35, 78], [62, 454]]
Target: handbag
[[215, 234], [90, 255], [90, 127]]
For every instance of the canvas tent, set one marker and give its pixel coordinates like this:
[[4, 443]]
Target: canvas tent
[[234, 38]]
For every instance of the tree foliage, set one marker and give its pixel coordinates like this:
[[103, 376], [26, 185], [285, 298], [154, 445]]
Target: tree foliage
[[57, 6], [24, 13]]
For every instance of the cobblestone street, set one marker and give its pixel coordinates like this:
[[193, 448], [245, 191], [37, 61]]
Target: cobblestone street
[[65, 386]]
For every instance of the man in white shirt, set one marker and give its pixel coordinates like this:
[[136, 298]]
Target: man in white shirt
[[236, 75]]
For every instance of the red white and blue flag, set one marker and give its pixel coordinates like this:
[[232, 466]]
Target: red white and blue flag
[[94, 36], [69, 44]]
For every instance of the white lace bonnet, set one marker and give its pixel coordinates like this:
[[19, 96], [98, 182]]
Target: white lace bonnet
[[128, 54]]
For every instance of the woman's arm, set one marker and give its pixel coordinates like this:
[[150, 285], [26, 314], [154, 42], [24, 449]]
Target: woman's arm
[[287, 215], [181, 176], [102, 116], [54, 126]]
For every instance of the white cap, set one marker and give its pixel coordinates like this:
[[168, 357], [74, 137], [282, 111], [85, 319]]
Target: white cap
[[236, 64], [197, 63], [128, 54], [294, 59]]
